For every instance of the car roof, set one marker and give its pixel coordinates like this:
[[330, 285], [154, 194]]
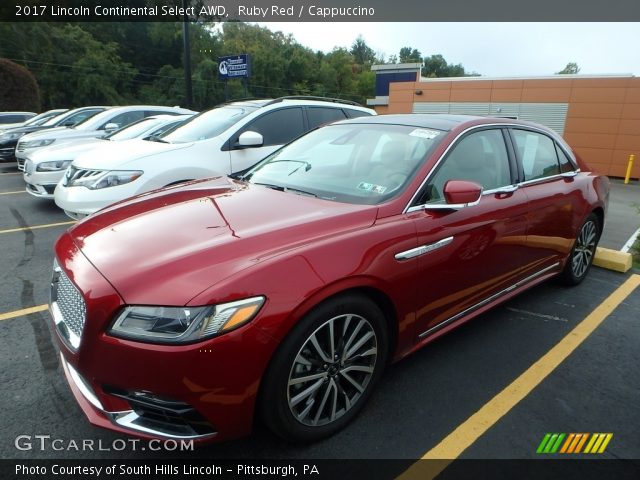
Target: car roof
[[438, 121], [299, 100]]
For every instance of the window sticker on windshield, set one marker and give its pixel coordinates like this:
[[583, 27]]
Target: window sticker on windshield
[[424, 133], [371, 187]]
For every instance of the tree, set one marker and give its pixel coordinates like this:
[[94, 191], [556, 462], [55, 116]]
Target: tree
[[409, 55], [571, 69], [437, 66], [362, 53], [18, 88]]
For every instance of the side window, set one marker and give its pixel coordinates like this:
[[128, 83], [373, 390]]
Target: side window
[[565, 163], [480, 157], [11, 119], [537, 153], [125, 118], [277, 127], [80, 116], [320, 115], [356, 113]]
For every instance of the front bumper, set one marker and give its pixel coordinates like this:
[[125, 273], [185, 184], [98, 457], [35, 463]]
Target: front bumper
[[79, 202], [42, 184], [205, 391]]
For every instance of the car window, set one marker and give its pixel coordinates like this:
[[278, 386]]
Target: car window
[[134, 129], [352, 163], [277, 127], [537, 153], [124, 119], [565, 163], [77, 118], [351, 113], [207, 124], [12, 118], [321, 115], [479, 157]]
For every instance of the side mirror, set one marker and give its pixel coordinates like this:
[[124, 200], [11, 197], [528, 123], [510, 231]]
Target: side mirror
[[110, 127], [250, 139], [458, 194]]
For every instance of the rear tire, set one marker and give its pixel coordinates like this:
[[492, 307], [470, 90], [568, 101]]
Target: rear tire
[[325, 370], [582, 253]]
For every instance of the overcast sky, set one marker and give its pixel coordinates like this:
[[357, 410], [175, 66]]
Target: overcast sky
[[491, 49]]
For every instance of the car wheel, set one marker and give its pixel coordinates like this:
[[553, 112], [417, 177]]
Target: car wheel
[[583, 251], [325, 369]]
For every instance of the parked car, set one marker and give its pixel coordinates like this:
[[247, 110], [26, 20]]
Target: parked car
[[97, 125], [45, 167], [68, 118], [188, 311], [14, 119], [225, 140]]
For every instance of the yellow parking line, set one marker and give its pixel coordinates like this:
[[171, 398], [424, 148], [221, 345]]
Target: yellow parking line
[[34, 227], [24, 311], [11, 173], [452, 446], [12, 193]]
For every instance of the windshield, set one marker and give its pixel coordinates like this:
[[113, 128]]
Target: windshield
[[352, 163], [40, 119], [207, 124], [76, 115], [135, 129]]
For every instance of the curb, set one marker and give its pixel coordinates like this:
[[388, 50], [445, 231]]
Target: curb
[[613, 260]]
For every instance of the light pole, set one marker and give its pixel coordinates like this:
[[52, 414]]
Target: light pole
[[187, 57]]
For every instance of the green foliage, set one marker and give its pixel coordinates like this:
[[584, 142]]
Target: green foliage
[[571, 69], [437, 66], [18, 88], [142, 62]]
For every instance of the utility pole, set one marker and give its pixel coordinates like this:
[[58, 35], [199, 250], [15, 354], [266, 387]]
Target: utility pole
[[187, 57]]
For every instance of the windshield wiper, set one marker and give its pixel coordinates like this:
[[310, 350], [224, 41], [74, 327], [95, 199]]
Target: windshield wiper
[[307, 165], [282, 188], [155, 139]]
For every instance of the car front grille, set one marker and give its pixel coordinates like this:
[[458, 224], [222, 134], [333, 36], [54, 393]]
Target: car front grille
[[22, 146], [68, 307], [20, 163]]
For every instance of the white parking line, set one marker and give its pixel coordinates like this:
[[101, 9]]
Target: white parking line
[[632, 239]]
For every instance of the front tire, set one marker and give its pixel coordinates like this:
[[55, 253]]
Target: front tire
[[582, 253], [325, 369]]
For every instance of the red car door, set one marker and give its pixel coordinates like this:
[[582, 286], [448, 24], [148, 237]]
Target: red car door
[[556, 202], [470, 255]]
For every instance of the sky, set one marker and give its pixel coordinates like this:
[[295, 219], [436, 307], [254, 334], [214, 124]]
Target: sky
[[491, 49]]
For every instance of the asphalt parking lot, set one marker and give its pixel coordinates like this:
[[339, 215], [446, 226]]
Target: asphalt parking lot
[[466, 396]]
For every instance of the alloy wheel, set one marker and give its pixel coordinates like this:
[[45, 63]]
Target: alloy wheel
[[332, 370], [585, 249]]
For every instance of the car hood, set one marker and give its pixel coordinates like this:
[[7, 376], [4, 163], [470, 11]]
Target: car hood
[[113, 155], [165, 247], [65, 151]]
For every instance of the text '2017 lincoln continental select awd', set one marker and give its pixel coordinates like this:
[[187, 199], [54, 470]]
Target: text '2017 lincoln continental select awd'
[[190, 311]]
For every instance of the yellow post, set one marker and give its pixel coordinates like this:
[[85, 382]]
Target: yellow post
[[629, 167]]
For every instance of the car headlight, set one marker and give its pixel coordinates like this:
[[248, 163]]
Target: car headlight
[[107, 179], [179, 325], [39, 143], [10, 136], [53, 166]]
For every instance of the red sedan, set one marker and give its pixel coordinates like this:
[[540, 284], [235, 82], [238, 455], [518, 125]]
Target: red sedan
[[189, 311]]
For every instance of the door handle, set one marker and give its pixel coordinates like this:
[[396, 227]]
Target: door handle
[[507, 189]]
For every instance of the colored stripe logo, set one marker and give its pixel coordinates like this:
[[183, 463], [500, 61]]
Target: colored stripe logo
[[574, 443]]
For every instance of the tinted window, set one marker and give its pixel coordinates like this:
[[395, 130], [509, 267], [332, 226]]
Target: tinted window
[[356, 113], [278, 127], [12, 118], [537, 153], [480, 157], [320, 116], [565, 163]]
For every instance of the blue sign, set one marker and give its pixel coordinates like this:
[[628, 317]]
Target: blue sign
[[234, 66]]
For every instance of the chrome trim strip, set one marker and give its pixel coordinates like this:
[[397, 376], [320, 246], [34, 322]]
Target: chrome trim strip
[[126, 418], [66, 332], [408, 209], [81, 385], [488, 300], [416, 252]]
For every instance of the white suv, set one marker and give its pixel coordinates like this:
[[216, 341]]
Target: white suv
[[227, 139]]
